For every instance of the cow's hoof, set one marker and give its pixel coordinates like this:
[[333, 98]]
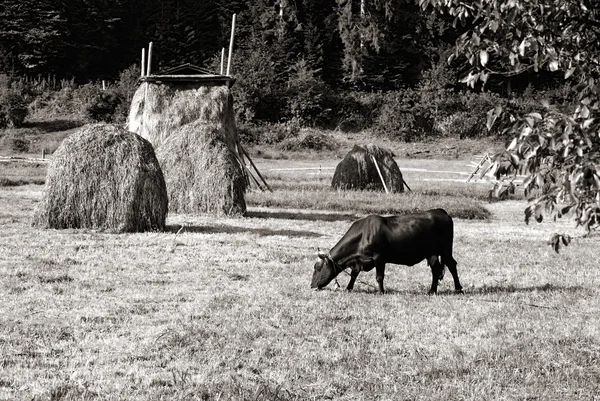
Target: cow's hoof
[[459, 291], [431, 292]]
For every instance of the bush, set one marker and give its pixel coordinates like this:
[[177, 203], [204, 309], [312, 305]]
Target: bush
[[102, 107], [306, 96], [13, 107], [310, 141], [404, 117]]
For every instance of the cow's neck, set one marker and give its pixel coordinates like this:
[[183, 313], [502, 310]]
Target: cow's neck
[[340, 254]]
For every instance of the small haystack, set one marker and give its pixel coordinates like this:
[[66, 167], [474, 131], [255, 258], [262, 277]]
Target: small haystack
[[202, 174], [192, 127], [103, 177], [357, 171]]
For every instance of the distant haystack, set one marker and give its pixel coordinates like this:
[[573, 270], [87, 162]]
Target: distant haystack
[[103, 177], [192, 127], [357, 171]]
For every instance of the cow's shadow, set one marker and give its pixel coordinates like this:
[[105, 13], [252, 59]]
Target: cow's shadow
[[226, 229], [512, 289], [476, 291], [312, 216]]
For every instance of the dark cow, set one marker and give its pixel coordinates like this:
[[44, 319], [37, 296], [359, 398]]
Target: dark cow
[[373, 241]]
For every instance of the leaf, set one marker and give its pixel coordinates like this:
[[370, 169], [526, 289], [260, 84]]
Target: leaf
[[587, 123], [522, 48], [536, 115], [512, 145], [528, 213], [557, 239], [483, 57], [570, 72], [492, 115], [553, 65]]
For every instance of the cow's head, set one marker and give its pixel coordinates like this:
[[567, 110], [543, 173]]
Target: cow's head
[[325, 271]]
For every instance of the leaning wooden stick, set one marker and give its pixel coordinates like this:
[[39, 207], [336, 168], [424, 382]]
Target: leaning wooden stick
[[256, 169], [380, 175]]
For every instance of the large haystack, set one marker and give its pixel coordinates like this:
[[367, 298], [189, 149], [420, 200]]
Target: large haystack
[[193, 130], [203, 175], [103, 177], [357, 171]]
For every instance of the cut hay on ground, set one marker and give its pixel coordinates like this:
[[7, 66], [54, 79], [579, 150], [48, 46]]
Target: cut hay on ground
[[103, 177], [357, 171], [202, 174], [193, 131]]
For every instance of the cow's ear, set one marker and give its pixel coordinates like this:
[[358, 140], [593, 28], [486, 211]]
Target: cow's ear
[[322, 255]]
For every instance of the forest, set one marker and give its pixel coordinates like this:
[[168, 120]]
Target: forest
[[349, 64]]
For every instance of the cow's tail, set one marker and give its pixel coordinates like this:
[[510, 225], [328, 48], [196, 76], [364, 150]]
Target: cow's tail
[[446, 257]]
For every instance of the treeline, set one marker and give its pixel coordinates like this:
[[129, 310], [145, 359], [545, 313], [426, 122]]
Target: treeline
[[348, 64], [371, 43]]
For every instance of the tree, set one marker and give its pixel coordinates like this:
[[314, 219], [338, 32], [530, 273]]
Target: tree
[[557, 148], [31, 36]]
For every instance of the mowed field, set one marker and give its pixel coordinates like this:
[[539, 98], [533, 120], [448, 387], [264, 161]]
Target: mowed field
[[223, 310]]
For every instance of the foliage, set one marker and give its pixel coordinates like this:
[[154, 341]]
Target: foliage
[[103, 106], [403, 116], [310, 141], [307, 95], [13, 108], [558, 147]]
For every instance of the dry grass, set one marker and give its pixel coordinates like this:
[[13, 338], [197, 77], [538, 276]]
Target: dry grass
[[223, 311], [104, 177]]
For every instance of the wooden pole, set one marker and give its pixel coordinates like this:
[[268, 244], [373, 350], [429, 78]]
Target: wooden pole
[[231, 45], [247, 173], [143, 74], [222, 60], [149, 59], [406, 185], [380, 175], [255, 169]]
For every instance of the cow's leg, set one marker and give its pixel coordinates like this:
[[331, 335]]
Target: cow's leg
[[437, 270], [379, 274], [451, 264], [353, 276]]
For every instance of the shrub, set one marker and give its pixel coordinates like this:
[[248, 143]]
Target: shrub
[[103, 106], [13, 108], [310, 141], [306, 96], [404, 117]]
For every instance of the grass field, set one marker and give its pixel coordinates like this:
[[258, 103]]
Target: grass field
[[223, 310]]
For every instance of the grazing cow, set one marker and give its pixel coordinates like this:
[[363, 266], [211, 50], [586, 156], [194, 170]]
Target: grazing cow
[[373, 241]]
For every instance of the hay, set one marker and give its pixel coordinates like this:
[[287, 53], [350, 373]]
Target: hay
[[202, 174], [358, 172], [193, 131], [157, 110], [103, 177]]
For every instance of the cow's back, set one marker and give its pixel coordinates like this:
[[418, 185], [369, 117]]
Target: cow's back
[[408, 239]]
